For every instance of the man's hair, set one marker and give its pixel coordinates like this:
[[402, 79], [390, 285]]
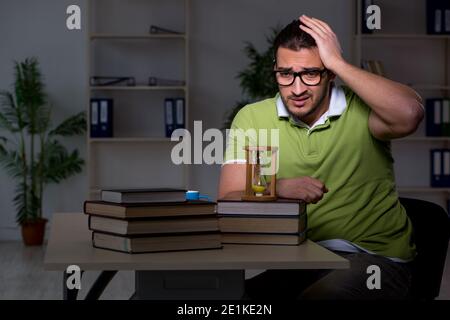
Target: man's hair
[[294, 38]]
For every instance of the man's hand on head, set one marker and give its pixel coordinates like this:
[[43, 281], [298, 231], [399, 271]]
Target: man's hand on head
[[330, 50], [308, 189]]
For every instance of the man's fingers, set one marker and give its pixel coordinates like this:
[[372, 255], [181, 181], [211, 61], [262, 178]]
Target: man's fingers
[[311, 32], [314, 192], [313, 24], [319, 184], [324, 25]]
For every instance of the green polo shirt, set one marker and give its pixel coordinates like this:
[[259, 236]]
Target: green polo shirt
[[362, 205]]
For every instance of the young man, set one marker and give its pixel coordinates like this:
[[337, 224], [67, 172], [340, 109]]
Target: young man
[[334, 153]]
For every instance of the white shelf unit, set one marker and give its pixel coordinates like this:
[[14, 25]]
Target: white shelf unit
[[417, 59], [138, 155]]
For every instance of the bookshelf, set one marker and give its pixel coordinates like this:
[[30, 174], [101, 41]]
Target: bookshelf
[[420, 60], [120, 44]]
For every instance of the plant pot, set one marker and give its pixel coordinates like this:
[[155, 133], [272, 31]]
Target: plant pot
[[33, 232]]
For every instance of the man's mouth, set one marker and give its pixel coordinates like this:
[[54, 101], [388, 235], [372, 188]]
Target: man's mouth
[[299, 102]]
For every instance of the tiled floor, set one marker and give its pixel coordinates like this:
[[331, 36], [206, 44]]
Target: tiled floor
[[22, 277]]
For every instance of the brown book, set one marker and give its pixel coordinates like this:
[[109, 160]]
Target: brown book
[[262, 224], [281, 206], [264, 239], [143, 195], [154, 225], [157, 243], [148, 210]]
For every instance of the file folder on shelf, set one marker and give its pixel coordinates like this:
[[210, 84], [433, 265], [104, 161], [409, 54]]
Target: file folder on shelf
[[101, 116], [437, 168], [434, 117], [169, 116]]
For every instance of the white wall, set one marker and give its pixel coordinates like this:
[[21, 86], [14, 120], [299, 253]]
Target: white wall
[[219, 29], [38, 28]]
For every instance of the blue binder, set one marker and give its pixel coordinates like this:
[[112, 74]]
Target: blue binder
[[435, 16], [180, 113], [437, 168], [446, 17], [434, 117], [446, 167], [364, 5], [169, 116], [101, 115], [93, 115]]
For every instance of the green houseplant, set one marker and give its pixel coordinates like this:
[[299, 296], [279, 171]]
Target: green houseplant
[[30, 150], [256, 80]]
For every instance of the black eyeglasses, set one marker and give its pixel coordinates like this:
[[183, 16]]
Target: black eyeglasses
[[311, 77]]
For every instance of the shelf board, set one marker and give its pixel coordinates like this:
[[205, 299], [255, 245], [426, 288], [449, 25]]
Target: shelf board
[[423, 139], [412, 36], [114, 36], [136, 88], [130, 139], [422, 189]]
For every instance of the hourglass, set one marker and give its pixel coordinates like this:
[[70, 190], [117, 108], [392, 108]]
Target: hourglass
[[260, 168]]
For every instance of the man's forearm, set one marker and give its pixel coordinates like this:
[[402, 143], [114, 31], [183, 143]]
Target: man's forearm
[[393, 102]]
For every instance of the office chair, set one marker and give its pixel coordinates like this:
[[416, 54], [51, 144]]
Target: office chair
[[431, 226]]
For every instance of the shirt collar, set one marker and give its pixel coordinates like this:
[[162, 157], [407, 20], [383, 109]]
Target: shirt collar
[[337, 106]]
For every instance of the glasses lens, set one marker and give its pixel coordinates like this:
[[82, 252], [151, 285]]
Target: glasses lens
[[285, 78], [311, 78]]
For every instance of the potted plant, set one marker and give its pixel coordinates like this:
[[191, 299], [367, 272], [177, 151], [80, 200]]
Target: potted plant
[[30, 149], [256, 80]]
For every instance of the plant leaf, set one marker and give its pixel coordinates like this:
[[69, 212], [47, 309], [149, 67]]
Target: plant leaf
[[74, 125], [11, 117], [59, 164], [29, 90], [11, 161]]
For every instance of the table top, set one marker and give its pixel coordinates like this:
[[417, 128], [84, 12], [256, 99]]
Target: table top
[[70, 244]]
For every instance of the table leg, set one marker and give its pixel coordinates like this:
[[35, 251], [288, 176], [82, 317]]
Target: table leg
[[100, 284], [190, 284]]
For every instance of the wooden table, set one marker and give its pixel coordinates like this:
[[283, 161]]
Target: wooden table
[[199, 274]]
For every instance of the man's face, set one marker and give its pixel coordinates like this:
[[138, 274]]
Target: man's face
[[307, 103]]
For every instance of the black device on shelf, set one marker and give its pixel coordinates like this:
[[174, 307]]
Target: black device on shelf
[[159, 30], [154, 81], [112, 81]]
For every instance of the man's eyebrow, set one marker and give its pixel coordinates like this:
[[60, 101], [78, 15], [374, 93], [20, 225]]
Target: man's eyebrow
[[304, 69], [311, 69], [284, 68]]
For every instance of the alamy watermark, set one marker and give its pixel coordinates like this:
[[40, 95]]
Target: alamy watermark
[[189, 149], [374, 280], [73, 277], [73, 21]]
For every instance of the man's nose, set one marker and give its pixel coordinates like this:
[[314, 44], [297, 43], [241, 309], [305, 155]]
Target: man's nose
[[298, 87]]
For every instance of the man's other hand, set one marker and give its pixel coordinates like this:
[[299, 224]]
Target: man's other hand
[[308, 189]]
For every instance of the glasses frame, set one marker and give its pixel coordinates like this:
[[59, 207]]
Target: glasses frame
[[300, 74]]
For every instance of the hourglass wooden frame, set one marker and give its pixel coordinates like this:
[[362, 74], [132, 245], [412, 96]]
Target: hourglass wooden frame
[[249, 194]]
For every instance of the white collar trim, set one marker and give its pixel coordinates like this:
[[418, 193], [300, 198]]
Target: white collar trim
[[337, 106]]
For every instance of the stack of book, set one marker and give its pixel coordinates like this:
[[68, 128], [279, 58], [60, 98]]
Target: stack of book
[[152, 220], [282, 222]]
